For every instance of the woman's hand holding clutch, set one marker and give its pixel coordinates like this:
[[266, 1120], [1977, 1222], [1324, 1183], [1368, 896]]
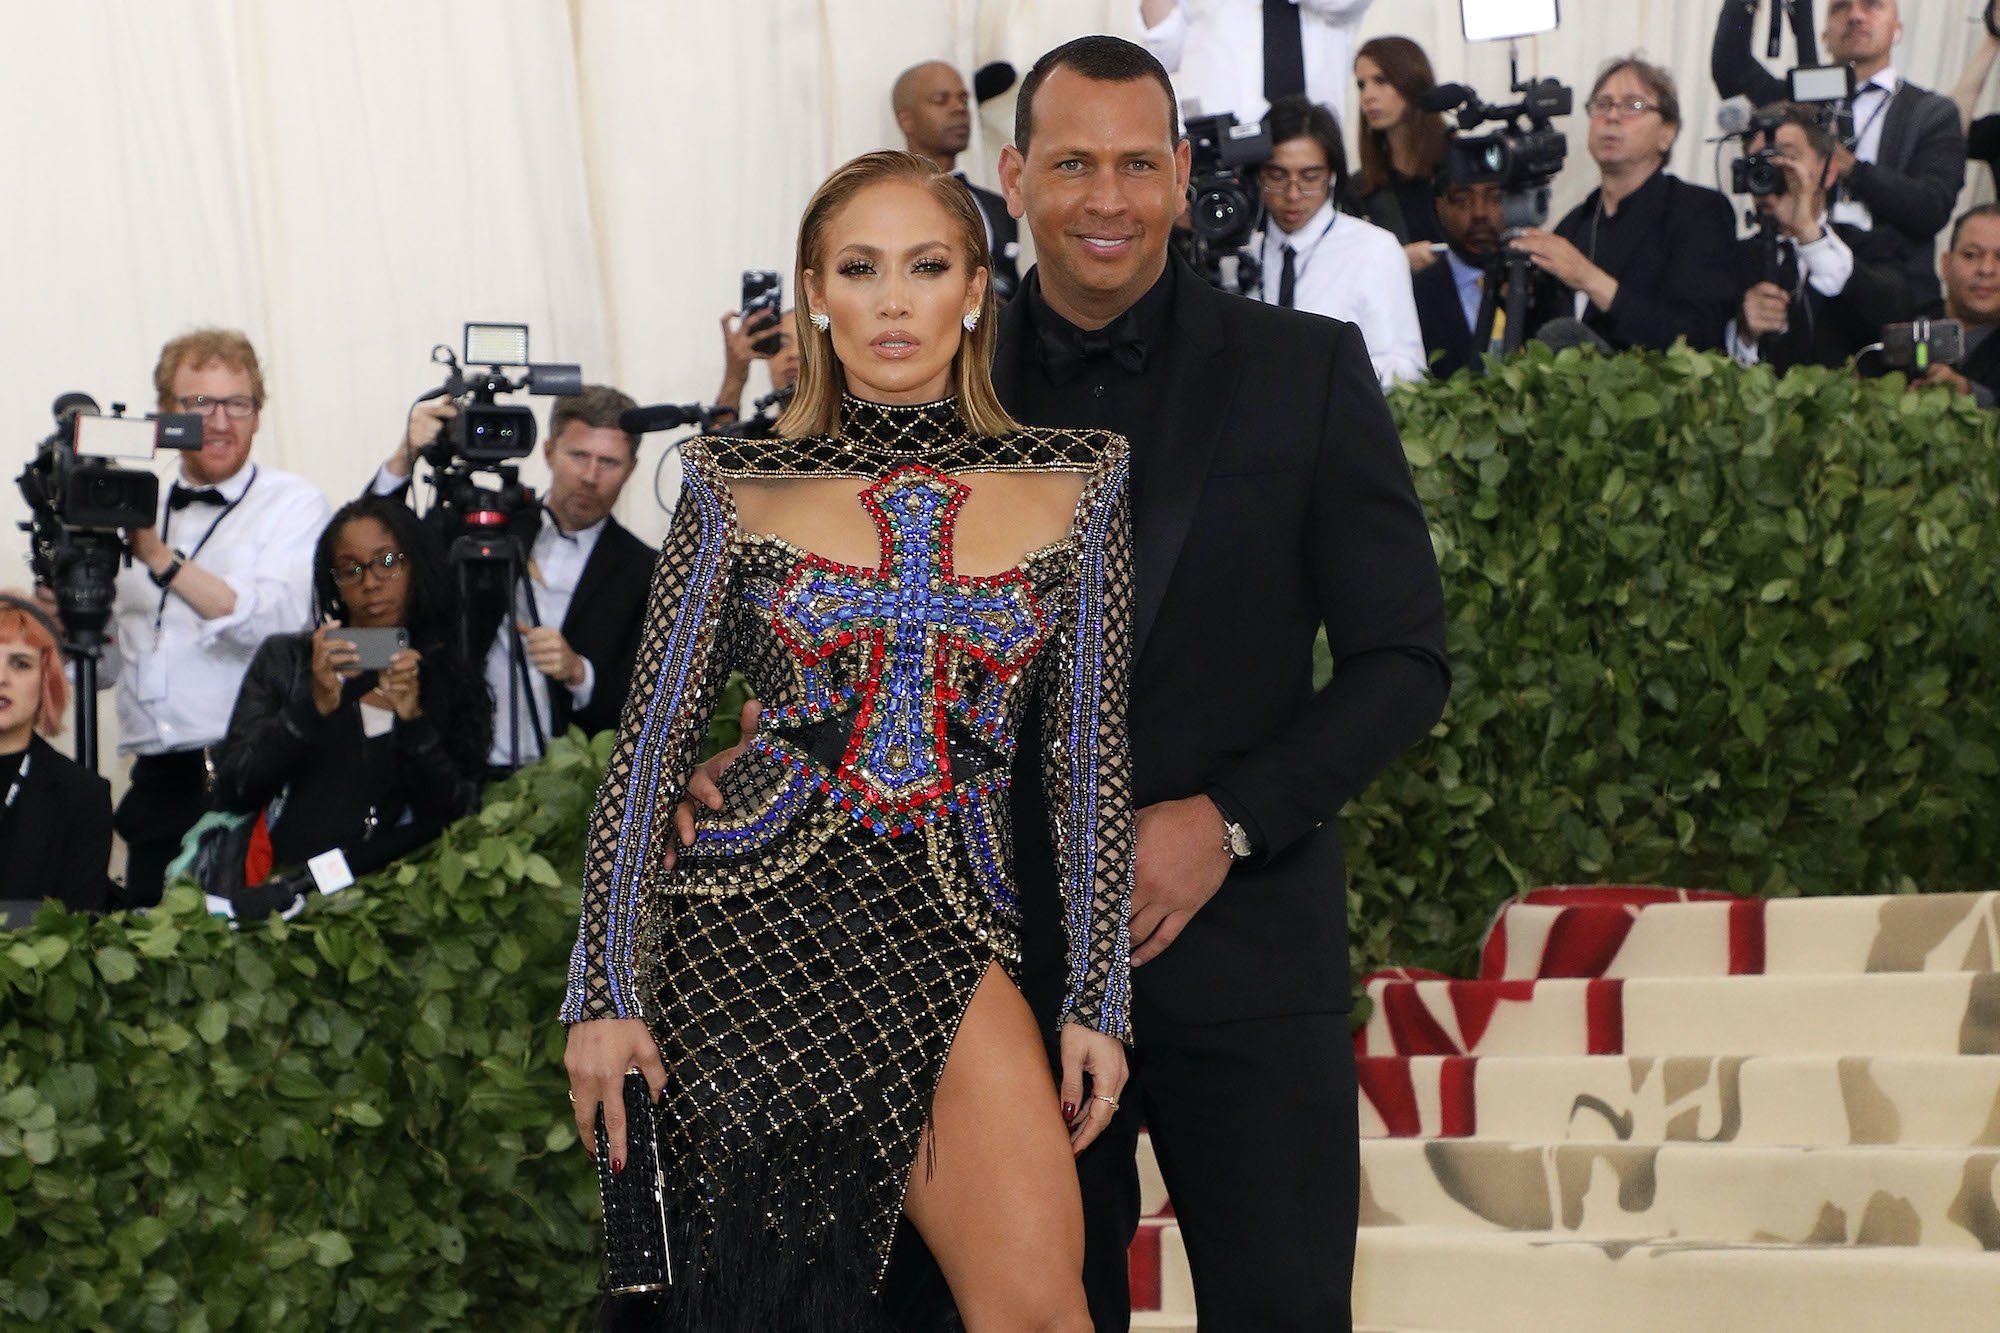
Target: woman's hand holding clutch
[[600, 1050], [1089, 1110]]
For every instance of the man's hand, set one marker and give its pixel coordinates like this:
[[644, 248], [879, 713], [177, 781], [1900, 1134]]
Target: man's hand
[[427, 420], [1422, 256], [1942, 377], [705, 785], [1568, 265], [1179, 867], [738, 339], [149, 550], [1766, 309], [549, 653]]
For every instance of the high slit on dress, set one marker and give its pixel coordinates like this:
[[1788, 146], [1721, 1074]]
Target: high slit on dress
[[807, 962]]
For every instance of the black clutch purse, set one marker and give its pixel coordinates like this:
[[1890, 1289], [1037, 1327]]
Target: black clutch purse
[[635, 1199]]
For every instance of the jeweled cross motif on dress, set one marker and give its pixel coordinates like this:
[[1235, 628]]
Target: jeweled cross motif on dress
[[915, 614]]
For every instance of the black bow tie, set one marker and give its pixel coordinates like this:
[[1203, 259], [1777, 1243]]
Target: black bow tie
[[1066, 351], [179, 497]]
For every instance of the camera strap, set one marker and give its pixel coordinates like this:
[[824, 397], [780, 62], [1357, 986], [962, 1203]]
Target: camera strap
[[166, 528], [14, 789]]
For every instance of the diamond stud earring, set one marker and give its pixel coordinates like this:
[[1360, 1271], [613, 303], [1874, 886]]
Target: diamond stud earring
[[971, 320], [821, 320]]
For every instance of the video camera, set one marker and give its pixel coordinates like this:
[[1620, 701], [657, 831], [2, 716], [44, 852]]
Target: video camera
[[487, 435], [1224, 205], [1522, 157]]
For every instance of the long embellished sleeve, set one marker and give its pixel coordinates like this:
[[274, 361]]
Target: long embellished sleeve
[[681, 669], [1087, 769]]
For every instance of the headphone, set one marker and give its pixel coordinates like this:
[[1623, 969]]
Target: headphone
[[39, 616]]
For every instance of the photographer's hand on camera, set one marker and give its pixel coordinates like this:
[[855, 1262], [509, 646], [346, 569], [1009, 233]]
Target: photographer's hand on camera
[[738, 351], [1766, 309], [1942, 377], [333, 661], [398, 685], [426, 423], [1561, 260]]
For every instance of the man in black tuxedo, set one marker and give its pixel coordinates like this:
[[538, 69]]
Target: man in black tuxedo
[[588, 575], [934, 112], [1971, 271], [1270, 497], [1908, 162], [1449, 295], [1819, 291]]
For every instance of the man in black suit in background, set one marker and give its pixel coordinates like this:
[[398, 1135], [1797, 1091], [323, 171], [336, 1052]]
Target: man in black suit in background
[[1908, 162], [1971, 271], [1449, 294], [588, 575], [934, 112], [1270, 497]]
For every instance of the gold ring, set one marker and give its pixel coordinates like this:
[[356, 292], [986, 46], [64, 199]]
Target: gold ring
[[1112, 1102]]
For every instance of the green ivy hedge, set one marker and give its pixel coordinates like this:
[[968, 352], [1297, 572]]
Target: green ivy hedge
[[1707, 627]]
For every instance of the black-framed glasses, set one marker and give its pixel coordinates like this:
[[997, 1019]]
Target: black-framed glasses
[[1602, 107], [1310, 183], [236, 407], [389, 564]]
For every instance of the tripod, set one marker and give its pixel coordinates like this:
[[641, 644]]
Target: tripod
[[84, 573], [493, 570]]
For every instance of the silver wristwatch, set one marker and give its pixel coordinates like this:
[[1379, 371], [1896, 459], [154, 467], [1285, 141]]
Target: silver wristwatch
[[1235, 840]]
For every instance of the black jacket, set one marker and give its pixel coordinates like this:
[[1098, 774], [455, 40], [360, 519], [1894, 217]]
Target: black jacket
[[1672, 247], [1006, 230], [1828, 330], [1448, 339], [59, 836], [338, 791], [1916, 176], [1274, 498]]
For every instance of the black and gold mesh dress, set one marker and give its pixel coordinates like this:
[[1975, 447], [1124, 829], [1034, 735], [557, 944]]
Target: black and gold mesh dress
[[806, 963]]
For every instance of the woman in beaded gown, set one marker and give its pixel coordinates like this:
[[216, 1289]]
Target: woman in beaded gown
[[823, 980]]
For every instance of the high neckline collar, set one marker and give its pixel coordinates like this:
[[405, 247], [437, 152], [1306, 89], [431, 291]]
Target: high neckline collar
[[885, 430]]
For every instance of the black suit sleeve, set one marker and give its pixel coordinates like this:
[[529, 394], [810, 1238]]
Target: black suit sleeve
[[85, 885], [1875, 295], [1697, 292], [1737, 72], [1982, 141], [1917, 202], [1376, 580]]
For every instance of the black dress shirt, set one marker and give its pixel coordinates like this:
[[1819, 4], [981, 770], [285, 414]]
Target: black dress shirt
[[1672, 247]]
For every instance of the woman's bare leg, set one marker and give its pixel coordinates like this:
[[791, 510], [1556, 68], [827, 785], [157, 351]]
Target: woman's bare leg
[[1001, 1210]]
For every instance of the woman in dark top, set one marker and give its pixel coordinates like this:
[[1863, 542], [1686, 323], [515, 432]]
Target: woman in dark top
[[55, 815], [1402, 145], [1646, 259], [372, 763]]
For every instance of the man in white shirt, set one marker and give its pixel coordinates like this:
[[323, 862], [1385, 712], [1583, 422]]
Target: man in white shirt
[[1314, 257], [1243, 55], [228, 564], [582, 611]]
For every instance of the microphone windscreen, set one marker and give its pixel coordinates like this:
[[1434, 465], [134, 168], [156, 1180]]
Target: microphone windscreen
[[663, 416], [1733, 116], [991, 80], [1446, 96]]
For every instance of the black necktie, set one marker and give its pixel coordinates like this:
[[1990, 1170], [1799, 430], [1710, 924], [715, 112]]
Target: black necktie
[[1284, 50], [179, 497], [1288, 281], [1065, 351]]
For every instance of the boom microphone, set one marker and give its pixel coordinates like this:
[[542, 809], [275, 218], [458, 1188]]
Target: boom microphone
[[662, 416]]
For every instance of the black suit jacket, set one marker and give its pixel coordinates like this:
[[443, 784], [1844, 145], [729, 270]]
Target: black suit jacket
[[1006, 233], [602, 625], [1274, 498], [1828, 330], [1448, 339], [1915, 178], [61, 841]]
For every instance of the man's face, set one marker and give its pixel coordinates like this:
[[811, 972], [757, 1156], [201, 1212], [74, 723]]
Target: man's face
[[785, 361], [1971, 271], [1100, 186], [1294, 182], [1793, 146], [936, 114], [1470, 216], [1861, 31], [1622, 138], [225, 439], [589, 466]]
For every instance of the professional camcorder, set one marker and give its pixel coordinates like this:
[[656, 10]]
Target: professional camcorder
[[1224, 205], [1522, 157]]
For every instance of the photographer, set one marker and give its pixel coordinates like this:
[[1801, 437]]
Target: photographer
[[1315, 257], [1827, 299], [55, 815], [374, 763], [1971, 271], [1907, 164], [589, 575], [1448, 295], [228, 565], [739, 350], [1647, 258]]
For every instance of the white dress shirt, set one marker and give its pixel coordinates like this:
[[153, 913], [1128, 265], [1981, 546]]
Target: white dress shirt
[[555, 567], [1871, 108], [1826, 265], [1352, 270], [1214, 49], [177, 674]]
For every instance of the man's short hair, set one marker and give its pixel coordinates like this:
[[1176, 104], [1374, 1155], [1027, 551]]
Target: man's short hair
[[1105, 59], [1976, 211], [598, 405], [1659, 81], [1809, 121], [1296, 116], [201, 346]]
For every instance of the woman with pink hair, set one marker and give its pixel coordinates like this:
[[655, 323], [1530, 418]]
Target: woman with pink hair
[[55, 815]]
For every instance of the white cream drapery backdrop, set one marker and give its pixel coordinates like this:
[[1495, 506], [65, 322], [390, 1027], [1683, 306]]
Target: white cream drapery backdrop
[[348, 183]]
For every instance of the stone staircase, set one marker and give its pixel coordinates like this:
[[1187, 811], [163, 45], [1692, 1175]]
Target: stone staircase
[[1666, 1110]]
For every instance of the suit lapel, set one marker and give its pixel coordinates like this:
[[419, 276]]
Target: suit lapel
[[595, 571], [1896, 128]]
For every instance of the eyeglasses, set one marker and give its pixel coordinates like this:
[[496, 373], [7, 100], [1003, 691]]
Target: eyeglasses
[[238, 407], [389, 565], [1310, 183], [1601, 108]]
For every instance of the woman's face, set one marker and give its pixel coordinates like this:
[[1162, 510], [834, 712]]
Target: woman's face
[[378, 598], [895, 281], [20, 688], [1381, 105]]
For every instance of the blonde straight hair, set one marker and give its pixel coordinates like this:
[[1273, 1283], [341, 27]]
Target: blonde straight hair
[[815, 407]]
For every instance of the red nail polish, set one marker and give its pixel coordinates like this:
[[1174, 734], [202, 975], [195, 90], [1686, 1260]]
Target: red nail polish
[[1069, 1111], [617, 1165]]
